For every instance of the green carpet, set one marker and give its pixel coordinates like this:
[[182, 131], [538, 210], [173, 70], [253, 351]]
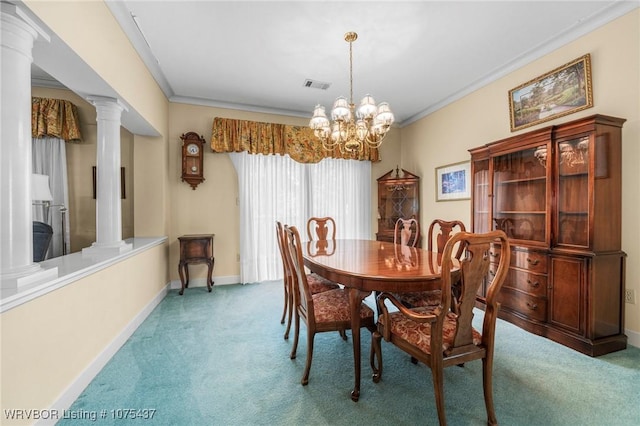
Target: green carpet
[[220, 359]]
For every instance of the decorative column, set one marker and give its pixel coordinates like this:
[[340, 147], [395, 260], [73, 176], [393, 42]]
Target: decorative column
[[108, 203], [18, 33]]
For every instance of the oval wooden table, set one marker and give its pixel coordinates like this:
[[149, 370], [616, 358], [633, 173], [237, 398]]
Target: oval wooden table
[[363, 266]]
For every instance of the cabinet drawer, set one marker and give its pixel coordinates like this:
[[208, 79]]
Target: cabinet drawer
[[534, 284], [530, 260], [532, 307]]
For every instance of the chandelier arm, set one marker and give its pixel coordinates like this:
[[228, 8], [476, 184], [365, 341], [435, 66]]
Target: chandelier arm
[[372, 143]]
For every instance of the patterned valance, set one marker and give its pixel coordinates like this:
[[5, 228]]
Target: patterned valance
[[55, 117], [229, 135]]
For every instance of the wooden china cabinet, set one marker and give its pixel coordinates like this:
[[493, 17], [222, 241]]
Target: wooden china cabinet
[[556, 192], [398, 197]]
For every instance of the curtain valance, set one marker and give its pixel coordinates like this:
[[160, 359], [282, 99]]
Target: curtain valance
[[230, 135], [55, 117]]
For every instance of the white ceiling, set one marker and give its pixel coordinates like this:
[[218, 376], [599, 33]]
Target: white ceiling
[[416, 55]]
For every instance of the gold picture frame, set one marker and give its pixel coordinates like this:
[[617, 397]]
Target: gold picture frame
[[562, 91], [453, 182]]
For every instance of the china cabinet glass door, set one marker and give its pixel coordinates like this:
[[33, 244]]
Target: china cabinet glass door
[[481, 196], [520, 194], [573, 192]]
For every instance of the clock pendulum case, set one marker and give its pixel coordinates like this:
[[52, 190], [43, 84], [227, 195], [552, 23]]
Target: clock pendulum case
[[192, 159]]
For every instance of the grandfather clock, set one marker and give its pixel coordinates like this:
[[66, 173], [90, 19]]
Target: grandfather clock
[[192, 158]]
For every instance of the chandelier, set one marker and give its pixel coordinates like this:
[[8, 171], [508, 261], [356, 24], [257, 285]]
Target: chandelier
[[352, 129]]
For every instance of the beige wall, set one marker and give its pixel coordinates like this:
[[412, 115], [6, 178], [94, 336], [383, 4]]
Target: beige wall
[[211, 207], [483, 116], [48, 342]]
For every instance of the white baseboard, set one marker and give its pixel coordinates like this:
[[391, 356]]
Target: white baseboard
[[68, 397], [633, 338], [202, 282]]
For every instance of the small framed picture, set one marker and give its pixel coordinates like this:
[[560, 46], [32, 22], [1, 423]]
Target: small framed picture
[[453, 182]]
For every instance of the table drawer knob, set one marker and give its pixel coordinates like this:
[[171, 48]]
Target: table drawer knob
[[532, 306], [533, 262]]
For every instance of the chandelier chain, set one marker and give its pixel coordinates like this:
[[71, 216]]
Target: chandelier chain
[[351, 74]]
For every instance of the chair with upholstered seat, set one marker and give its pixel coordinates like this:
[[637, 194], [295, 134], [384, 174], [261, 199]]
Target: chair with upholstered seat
[[317, 284], [440, 231], [322, 231], [444, 336], [321, 312]]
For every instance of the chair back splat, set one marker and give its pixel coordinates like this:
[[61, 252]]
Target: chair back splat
[[321, 228], [443, 336], [439, 233], [407, 232]]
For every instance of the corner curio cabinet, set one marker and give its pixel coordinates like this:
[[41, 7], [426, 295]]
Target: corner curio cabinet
[[556, 192], [398, 197]]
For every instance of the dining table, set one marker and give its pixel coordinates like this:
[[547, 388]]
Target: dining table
[[366, 266]]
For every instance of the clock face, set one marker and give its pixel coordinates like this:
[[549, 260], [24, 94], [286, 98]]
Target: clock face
[[193, 149]]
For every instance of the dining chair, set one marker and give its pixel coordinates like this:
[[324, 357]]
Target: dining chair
[[317, 284], [322, 231], [439, 233], [321, 228], [406, 232], [444, 336], [321, 312]]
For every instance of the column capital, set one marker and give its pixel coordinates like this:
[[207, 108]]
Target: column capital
[[105, 102], [12, 12]]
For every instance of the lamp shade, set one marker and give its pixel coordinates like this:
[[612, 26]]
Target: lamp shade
[[40, 188]]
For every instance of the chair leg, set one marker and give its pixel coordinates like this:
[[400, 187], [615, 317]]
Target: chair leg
[[375, 357], [290, 309], [343, 334], [487, 387], [438, 386], [296, 335], [307, 367], [286, 303]]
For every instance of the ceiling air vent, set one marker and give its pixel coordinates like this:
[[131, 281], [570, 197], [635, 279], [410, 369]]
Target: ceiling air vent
[[316, 84]]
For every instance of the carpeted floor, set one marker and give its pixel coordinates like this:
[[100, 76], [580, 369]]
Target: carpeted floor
[[220, 359]]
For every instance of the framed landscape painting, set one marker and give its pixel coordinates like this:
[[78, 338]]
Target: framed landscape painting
[[453, 182], [562, 91]]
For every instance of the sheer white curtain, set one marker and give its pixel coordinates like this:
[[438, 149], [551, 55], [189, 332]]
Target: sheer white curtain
[[50, 158], [275, 187], [341, 189]]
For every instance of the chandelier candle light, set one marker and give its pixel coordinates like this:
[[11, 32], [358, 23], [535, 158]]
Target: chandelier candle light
[[352, 129]]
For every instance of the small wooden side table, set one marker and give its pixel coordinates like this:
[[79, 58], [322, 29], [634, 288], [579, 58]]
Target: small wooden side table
[[197, 248]]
